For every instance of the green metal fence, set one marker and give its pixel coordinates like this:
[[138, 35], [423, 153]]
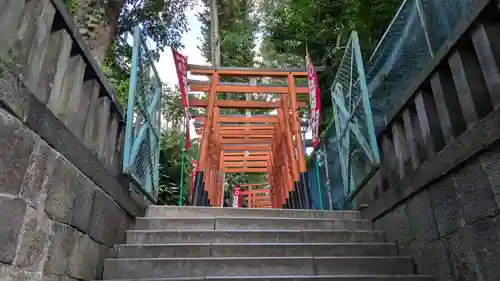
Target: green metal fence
[[349, 153], [350, 139], [143, 121], [417, 32]]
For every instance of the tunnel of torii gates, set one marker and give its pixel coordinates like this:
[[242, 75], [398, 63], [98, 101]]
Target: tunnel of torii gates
[[269, 144]]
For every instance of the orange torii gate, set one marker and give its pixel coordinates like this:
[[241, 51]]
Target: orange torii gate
[[269, 144], [257, 195]]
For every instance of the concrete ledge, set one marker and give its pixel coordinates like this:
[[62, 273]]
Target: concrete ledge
[[476, 139]]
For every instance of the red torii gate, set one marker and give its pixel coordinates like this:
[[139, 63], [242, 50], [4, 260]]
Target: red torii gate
[[269, 144]]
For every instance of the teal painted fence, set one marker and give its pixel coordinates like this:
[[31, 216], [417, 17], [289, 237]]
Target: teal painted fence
[[143, 121], [349, 146]]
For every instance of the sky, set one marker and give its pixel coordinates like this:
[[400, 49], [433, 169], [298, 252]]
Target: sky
[[191, 41]]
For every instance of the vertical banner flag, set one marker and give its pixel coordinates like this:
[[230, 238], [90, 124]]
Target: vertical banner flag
[[181, 66], [314, 99]]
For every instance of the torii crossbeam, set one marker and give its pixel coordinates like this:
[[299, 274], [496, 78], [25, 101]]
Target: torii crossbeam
[[269, 144]]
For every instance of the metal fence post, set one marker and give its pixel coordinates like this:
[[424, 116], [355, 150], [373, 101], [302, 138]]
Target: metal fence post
[[366, 98], [423, 20], [131, 98]]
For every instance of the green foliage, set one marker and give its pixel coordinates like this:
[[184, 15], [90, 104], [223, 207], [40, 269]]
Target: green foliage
[[171, 150], [163, 22], [169, 191], [119, 78], [323, 26], [8, 64], [236, 32], [170, 170], [72, 5], [173, 108]]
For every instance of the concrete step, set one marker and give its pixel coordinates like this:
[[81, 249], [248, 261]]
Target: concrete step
[[258, 266], [255, 250], [251, 236], [327, 278], [186, 211], [252, 223], [295, 278], [342, 236]]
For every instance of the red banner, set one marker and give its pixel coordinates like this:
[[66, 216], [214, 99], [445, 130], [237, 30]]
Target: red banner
[[181, 66], [314, 99]]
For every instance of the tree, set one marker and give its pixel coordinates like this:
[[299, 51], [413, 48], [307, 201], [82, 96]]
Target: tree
[[102, 22], [323, 26], [237, 29]]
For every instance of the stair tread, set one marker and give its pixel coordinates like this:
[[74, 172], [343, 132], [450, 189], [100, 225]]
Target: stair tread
[[251, 230], [191, 211], [262, 244], [247, 209], [282, 277], [262, 258], [252, 218]]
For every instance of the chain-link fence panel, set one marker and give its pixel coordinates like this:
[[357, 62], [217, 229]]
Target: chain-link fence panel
[[143, 124], [350, 139], [418, 30]]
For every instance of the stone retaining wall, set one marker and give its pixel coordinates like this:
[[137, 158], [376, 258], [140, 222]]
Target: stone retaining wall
[[63, 201], [55, 221], [437, 192]]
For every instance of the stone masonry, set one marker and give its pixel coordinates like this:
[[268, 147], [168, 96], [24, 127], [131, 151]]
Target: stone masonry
[[452, 228], [63, 201], [437, 192], [56, 223]]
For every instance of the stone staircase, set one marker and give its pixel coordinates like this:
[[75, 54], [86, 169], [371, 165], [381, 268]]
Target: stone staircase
[[190, 243]]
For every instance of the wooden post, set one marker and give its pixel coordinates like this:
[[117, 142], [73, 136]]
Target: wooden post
[[291, 152], [212, 96], [298, 138]]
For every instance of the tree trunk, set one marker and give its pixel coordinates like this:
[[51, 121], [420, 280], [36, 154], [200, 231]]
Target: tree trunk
[[108, 30], [97, 22]]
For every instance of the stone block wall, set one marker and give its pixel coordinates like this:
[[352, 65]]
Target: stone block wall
[[55, 222], [63, 201], [437, 191], [452, 227]]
